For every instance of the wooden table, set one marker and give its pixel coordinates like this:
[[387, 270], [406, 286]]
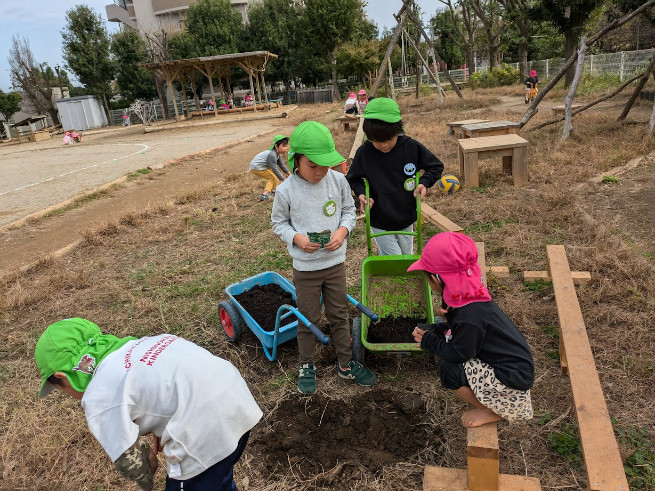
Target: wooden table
[[560, 109], [512, 148], [454, 126], [491, 128], [346, 121]]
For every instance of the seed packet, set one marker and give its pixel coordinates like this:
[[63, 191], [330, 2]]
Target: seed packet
[[321, 238]]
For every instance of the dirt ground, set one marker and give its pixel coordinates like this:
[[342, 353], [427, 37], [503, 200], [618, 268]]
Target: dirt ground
[[162, 266]]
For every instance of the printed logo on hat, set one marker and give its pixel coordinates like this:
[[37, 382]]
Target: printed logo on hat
[[86, 365], [409, 184], [410, 169]]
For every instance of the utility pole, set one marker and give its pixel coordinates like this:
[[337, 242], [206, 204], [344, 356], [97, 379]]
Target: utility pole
[[61, 89]]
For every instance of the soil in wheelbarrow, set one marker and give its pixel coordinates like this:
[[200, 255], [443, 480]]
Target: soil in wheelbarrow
[[393, 330], [263, 301], [345, 439]]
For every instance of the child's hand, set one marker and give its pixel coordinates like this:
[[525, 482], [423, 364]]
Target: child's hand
[[336, 239], [418, 335], [362, 203], [303, 242], [420, 189]]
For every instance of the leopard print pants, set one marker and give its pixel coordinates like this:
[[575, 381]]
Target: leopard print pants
[[511, 404]]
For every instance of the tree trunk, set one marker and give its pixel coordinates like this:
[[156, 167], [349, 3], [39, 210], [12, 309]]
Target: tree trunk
[[161, 92], [335, 81], [637, 90], [524, 43], [105, 106], [470, 59], [570, 47]]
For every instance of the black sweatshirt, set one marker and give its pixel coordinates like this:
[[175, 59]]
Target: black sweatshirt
[[481, 330], [394, 206]]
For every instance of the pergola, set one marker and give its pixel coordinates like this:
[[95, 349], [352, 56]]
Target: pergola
[[254, 63]]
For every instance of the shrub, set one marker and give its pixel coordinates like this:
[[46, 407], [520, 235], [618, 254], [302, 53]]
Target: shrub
[[496, 77]]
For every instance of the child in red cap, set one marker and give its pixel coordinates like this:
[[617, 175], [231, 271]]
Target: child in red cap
[[530, 84], [351, 106], [484, 358]]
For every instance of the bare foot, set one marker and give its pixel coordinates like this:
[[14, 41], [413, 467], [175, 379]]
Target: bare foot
[[479, 417]]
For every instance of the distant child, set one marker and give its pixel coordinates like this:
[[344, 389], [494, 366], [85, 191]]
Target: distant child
[[390, 160], [317, 199], [362, 100], [77, 137], [210, 106], [530, 83], [269, 165], [196, 405], [484, 358], [67, 138], [249, 101], [351, 106]]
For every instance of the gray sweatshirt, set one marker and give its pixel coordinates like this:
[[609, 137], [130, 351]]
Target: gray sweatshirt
[[301, 207], [268, 159]]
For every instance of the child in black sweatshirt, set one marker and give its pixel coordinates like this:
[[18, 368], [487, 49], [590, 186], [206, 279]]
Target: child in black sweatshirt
[[484, 358]]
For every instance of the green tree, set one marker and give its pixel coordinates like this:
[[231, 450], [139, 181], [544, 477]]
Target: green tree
[[128, 50], [447, 40], [358, 58], [216, 28], [273, 27], [9, 104], [569, 18], [328, 23], [86, 51]]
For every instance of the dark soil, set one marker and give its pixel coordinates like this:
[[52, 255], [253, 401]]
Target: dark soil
[[263, 301], [362, 436], [393, 330]]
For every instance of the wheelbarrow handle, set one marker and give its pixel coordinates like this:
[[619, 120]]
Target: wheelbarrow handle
[[364, 309], [317, 332]]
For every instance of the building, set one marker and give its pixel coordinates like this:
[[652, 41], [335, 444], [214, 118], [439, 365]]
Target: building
[[155, 15]]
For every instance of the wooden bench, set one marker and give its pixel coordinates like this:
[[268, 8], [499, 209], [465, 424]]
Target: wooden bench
[[560, 109], [482, 452], [512, 148], [454, 127], [602, 459], [346, 121], [491, 128]]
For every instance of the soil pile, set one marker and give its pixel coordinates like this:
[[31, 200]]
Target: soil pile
[[393, 330], [263, 301]]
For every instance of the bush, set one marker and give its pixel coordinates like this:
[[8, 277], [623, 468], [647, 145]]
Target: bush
[[496, 77]]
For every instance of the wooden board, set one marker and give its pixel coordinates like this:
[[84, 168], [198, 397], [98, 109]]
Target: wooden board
[[601, 453], [445, 479], [489, 125], [579, 277], [456, 125], [560, 109], [497, 142], [432, 215]]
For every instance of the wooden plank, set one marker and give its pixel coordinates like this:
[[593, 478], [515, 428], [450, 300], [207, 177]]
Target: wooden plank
[[520, 166], [560, 109], [578, 277], [489, 125], [482, 260], [482, 442], [446, 479], [601, 453], [456, 125], [498, 271], [500, 152], [491, 142], [433, 216], [359, 139], [466, 133]]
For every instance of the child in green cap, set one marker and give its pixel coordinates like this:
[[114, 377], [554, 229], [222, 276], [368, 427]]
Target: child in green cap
[[390, 160], [268, 165], [196, 405], [317, 199]]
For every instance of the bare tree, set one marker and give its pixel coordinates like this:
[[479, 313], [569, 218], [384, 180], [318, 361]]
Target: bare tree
[[464, 17], [489, 13], [27, 76], [157, 43], [518, 12]]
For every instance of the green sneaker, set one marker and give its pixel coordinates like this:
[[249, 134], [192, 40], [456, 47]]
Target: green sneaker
[[307, 379], [358, 373]]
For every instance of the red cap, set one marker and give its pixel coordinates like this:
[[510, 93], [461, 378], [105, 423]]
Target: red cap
[[362, 92], [454, 257]]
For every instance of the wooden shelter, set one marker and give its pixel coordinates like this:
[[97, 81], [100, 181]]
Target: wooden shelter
[[254, 63], [34, 136]]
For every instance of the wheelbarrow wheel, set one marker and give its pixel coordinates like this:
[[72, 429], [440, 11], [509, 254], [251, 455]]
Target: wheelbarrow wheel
[[231, 321], [357, 347]]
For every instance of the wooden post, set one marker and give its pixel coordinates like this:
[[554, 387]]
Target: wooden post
[[387, 55], [186, 102], [252, 90], [210, 75], [390, 75]]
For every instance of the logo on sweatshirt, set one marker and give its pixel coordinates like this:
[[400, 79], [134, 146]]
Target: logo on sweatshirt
[[330, 208], [409, 184], [410, 169]]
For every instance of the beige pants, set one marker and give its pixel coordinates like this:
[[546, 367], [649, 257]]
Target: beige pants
[[272, 181], [331, 283]]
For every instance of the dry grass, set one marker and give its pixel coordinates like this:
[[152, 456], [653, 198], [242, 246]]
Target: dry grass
[[165, 269]]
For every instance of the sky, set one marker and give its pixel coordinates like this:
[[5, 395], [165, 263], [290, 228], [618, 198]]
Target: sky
[[41, 22]]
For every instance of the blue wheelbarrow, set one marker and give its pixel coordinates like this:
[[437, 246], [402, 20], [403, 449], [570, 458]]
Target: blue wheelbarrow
[[233, 315]]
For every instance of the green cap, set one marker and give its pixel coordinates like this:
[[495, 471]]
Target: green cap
[[315, 141], [276, 139], [384, 109], [74, 347]]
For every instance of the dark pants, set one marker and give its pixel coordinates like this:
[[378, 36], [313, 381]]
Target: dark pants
[[330, 282], [453, 375], [219, 477]]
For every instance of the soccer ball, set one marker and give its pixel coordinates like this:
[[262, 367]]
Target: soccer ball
[[448, 184]]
